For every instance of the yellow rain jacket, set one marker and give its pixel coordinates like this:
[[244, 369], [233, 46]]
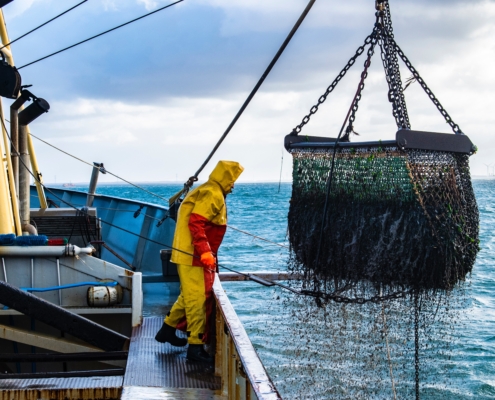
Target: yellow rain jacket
[[201, 226], [202, 218]]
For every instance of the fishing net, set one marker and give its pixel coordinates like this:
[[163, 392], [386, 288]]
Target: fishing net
[[396, 221], [350, 351]]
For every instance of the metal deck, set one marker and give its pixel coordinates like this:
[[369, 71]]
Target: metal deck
[[161, 371], [109, 387]]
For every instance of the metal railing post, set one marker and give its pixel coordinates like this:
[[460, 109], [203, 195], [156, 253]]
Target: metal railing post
[[98, 167]]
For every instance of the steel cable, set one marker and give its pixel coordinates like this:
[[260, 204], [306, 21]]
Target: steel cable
[[42, 25], [145, 190], [100, 34]]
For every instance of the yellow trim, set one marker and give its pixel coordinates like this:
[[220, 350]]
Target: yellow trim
[[12, 206], [6, 214], [32, 154]]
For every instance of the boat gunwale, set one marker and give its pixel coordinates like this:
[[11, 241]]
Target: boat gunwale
[[254, 369]]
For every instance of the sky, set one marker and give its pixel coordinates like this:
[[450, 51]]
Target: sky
[[151, 99]]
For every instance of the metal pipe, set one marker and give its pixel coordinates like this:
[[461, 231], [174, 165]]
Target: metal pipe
[[59, 284], [24, 190], [14, 143], [18, 137], [4, 270], [98, 167], [44, 251]]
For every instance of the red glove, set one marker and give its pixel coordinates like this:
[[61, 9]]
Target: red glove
[[208, 259]]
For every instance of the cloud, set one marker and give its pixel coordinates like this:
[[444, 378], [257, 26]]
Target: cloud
[[19, 7], [148, 4], [152, 99]]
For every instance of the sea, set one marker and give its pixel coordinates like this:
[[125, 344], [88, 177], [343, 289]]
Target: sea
[[341, 351]]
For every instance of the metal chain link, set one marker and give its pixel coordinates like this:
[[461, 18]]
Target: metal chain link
[[392, 71], [364, 75], [332, 86], [457, 130], [390, 51], [395, 93]]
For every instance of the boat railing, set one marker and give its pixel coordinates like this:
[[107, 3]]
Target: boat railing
[[243, 375]]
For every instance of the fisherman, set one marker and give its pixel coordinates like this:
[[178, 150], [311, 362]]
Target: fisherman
[[201, 225]]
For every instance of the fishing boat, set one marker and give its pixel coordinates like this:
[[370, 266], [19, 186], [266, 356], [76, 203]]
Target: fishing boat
[[78, 278], [82, 273]]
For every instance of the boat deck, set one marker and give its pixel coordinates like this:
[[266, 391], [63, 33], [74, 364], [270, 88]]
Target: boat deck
[[154, 371], [160, 371]]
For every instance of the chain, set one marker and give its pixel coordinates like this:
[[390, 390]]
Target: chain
[[416, 342], [332, 86], [364, 75], [354, 300], [390, 53], [392, 71], [457, 130]]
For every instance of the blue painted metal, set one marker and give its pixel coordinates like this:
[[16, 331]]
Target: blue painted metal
[[141, 253]]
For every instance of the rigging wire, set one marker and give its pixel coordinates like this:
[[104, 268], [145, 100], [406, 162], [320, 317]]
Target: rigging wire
[[251, 276], [42, 25], [258, 237], [168, 246], [145, 190], [107, 171], [194, 178], [101, 34]]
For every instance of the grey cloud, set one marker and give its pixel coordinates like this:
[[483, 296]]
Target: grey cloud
[[187, 56]]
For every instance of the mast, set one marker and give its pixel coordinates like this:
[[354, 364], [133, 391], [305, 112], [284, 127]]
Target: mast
[[9, 207]]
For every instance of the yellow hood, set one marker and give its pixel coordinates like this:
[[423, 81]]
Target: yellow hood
[[225, 174]]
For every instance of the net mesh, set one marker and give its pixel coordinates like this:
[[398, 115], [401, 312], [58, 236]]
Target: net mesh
[[397, 220]]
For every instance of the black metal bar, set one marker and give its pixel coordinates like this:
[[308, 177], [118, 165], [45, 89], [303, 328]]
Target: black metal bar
[[57, 357], [258, 85], [106, 246], [302, 145], [59, 318], [68, 374], [408, 139], [405, 139]]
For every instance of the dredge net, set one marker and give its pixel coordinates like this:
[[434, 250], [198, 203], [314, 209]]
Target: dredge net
[[397, 222]]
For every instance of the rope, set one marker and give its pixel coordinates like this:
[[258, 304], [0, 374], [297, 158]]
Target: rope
[[100, 34], [42, 25], [258, 237]]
